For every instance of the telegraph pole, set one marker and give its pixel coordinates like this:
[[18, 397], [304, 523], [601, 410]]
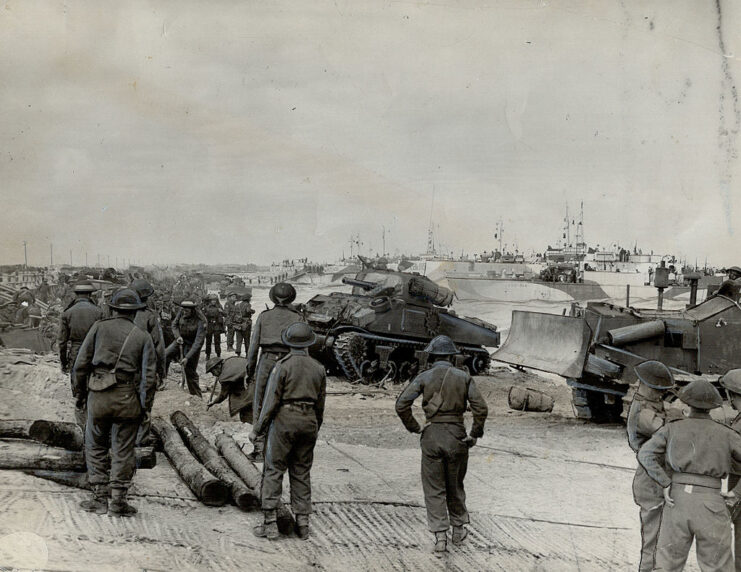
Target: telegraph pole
[[51, 254], [70, 257], [86, 258], [25, 254]]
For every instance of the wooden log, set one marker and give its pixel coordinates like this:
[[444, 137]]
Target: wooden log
[[251, 475], [205, 452], [54, 433], [207, 488], [68, 478], [19, 454]]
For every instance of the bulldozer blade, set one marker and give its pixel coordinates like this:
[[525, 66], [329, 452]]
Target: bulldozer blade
[[546, 342]]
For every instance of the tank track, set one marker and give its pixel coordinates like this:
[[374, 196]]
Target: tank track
[[342, 350]]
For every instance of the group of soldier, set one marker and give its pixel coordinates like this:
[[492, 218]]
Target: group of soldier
[[682, 461]]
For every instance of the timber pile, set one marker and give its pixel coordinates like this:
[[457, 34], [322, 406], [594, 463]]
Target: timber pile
[[54, 433]]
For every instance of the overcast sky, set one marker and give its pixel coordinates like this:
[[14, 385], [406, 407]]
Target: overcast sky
[[255, 131]]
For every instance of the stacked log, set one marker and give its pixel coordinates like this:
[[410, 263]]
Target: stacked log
[[207, 488], [21, 455], [55, 433], [244, 497]]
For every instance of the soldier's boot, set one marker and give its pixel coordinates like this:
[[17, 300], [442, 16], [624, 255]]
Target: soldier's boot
[[302, 526], [269, 528], [258, 453], [459, 534], [119, 506], [98, 503], [441, 543]]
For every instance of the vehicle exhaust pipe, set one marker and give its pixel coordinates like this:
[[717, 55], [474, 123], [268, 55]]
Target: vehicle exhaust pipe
[[635, 333]]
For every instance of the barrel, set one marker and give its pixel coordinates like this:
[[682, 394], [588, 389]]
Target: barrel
[[423, 287], [635, 333], [526, 399]]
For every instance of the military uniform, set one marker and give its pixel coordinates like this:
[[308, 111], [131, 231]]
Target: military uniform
[[645, 417], [443, 441], [214, 327], [292, 414], [231, 378], [700, 452], [147, 320], [193, 331], [74, 325], [231, 317], [242, 325], [116, 350]]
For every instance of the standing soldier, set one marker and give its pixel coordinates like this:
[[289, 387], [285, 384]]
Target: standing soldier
[[646, 416], [147, 320], [266, 336], [700, 452], [731, 382], [214, 324], [231, 373], [230, 311], [243, 321], [74, 325], [189, 330], [116, 370], [446, 392], [292, 414]]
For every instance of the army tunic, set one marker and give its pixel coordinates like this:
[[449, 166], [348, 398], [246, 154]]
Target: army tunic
[[700, 452], [243, 325], [147, 320], [733, 481], [231, 318], [645, 417], [292, 414], [193, 331], [444, 452], [74, 325], [114, 412], [233, 373]]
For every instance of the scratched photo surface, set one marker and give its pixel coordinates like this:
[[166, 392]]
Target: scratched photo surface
[[154, 134]]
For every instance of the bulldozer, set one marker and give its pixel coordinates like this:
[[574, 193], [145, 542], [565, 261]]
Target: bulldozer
[[378, 332], [596, 346]]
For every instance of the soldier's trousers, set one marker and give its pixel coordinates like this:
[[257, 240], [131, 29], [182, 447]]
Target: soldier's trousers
[[111, 426], [230, 337], [444, 465], [80, 400], [242, 336], [191, 375], [216, 337], [649, 496], [699, 515], [290, 446], [264, 367]]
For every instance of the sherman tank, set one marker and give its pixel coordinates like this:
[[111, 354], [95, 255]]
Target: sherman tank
[[379, 331], [597, 345]]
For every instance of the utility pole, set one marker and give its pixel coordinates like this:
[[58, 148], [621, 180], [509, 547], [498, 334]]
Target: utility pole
[[383, 239], [70, 257], [85, 257], [25, 255], [51, 254]]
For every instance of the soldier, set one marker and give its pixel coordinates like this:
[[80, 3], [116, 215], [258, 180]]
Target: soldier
[[74, 325], [731, 382], [646, 416], [230, 311], [148, 321], [214, 324], [243, 321], [700, 452], [446, 392], [731, 286], [266, 336], [189, 330], [231, 373], [116, 370], [292, 414]]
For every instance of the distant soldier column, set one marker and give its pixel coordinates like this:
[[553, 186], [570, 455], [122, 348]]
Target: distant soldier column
[[446, 393], [117, 371], [266, 337], [291, 415], [74, 325]]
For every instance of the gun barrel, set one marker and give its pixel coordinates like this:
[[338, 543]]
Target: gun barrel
[[364, 284]]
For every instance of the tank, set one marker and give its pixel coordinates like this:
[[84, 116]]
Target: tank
[[596, 347], [379, 331]]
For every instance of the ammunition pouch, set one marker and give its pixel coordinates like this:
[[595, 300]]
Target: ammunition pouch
[[101, 379]]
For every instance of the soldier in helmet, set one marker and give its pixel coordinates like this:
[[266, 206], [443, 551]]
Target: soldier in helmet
[[646, 416], [230, 319], [214, 324], [74, 325], [446, 393], [731, 382], [699, 452], [148, 321], [116, 369], [189, 330], [731, 287], [291, 415], [231, 373], [242, 323], [266, 337]]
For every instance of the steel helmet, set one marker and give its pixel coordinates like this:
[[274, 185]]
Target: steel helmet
[[126, 299], [83, 287], [732, 381], [701, 394], [654, 374], [298, 335], [282, 293], [142, 287], [212, 363], [188, 304], [441, 346]]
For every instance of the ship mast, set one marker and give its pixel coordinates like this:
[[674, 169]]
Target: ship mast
[[430, 229]]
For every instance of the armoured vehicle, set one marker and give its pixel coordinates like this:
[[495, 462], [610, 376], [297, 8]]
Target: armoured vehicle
[[378, 331], [595, 347]]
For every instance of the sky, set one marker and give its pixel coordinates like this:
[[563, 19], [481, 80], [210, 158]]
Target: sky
[[235, 132]]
